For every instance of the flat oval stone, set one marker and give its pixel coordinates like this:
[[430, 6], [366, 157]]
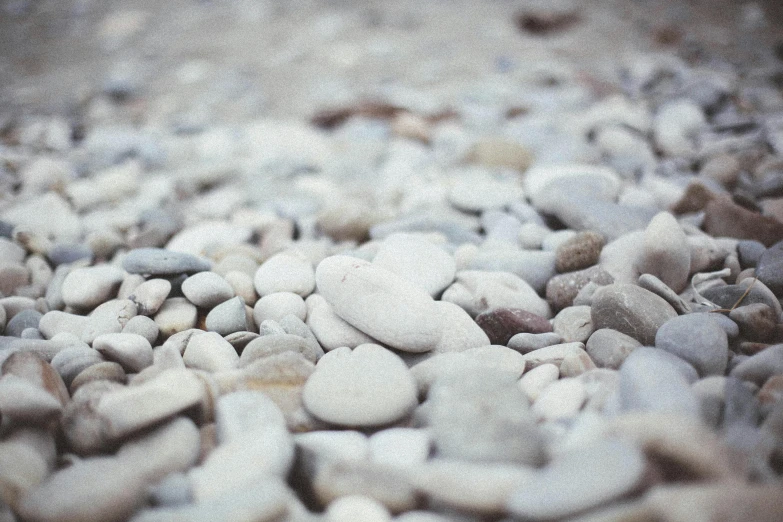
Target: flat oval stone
[[161, 262], [501, 324], [207, 289], [527, 342], [86, 288], [619, 464], [380, 303], [268, 345], [535, 267], [631, 310], [132, 351], [561, 399], [227, 317], [697, 339], [71, 361], [561, 290], [24, 319], [175, 315], [418, 260], [609, 348], [277, 305], [285, 272], [329, 328], [666, 253], [460, 331], [650, 382], [477, 291], [368, 386]]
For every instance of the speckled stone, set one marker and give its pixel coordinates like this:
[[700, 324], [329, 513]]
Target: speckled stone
[[501, 324], [631, 310], [579, 252], [159, 261]]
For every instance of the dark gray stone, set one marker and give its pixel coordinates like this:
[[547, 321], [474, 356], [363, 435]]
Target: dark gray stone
[[64, 253], [749, 252], [769, 269], [28, 318], [609, 348]]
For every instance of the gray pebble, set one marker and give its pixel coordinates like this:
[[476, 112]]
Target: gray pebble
[[749, 252], [158, 261], [207, 289], [66, 253], [562, 289], [609, 348], [651, 382], [659, 288], [31, 333], [761, 366], [227, 317], [769, 269], [150, 295], [698, 339], [24, 319], [535, 267], [69, 362], [573, 324], [132, 351], [631, 310]]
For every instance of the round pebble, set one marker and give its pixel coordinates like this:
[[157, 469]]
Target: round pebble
[[285, 272], [207, 289], [86, 288], [631, 310], [698, 339]]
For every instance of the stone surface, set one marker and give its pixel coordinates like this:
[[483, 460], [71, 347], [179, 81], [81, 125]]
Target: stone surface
[[176, 314], [501, 324], [573, 324], [227, 317], [527, 342], [285, 272], [162, 262], [207, 289], [592, 475], [761, 366], [631, 310], [380, 304], [579, 252], [562, 289], [478, 291], [150, 295], [769, 268], [86, 288], [666, 253], [609, 348], [368, 386], [277, 305], [210, 352], [329, 328], [460, 331], [133, 352], [418, 260], [697, 339]]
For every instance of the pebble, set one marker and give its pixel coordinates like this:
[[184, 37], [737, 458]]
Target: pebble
[[527, 342], [100, 489], [71, 361], [206, 289], [477, 191], [769, 266], [483, 417], [380, 304], [109, 317], [400, 447], [86, 288], [666, 253], [659, 288], [592, 475], [423, 263], [102, 371], [561, 399], [501, 324], [143, 326], [331, 330], [562, 289], [749, 253], [460, 332], [756, 322], [609, 348], [162, 262], [555, 353], [267, 345], [537, 379], [579, 252], [23, 402], [277, 305], [285, 272], [368, 386], [133, 352], [478, 291], [24, 319], [573, 324], [761, 366], [652, 383], [697, 339], [472, 487], [13, 277], [176, 314], [535, 267], [357, 507], [715, 502], [227, 317], [631, 310], [210, 352]]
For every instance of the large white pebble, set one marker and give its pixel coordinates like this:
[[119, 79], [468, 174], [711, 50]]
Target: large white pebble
[[418, 260], [380, 303], [85, 288], [210, 352], [368, 386], [285, 272], [132, 351], [330, 330]]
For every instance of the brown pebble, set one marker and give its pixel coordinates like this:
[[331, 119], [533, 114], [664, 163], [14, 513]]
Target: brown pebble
[[501, 324], [723, 218], [581, 251], [695, 198], [32, 368], [756, 321]]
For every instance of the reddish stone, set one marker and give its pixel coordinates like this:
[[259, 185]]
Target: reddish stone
[[723, 218], [501, 324]]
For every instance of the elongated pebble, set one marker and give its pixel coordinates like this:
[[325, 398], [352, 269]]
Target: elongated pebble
[[86, 288], [380, 303], [159, 261], [132, 351]]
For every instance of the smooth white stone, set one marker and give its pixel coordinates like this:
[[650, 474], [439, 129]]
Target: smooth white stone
[[535, 380], [478, 291], [285, 272], [400, 446], [210, 352], [380, 303], [561, 399], [417, 260], [277, 305], [331, 330]]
